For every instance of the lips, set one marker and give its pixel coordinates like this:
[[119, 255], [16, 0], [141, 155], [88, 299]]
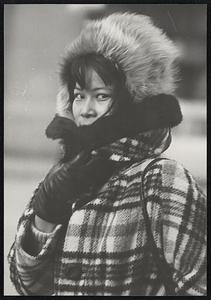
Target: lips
[[86, 121]]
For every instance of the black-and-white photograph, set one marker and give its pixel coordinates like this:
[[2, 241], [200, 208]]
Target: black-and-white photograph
[[105, 149]]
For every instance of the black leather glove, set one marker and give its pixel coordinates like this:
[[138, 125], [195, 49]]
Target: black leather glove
[[66, 182]]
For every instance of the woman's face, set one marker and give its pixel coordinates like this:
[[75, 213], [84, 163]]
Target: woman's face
[[93, 101]]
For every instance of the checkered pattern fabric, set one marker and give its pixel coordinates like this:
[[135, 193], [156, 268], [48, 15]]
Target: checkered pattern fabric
[[104, 251]]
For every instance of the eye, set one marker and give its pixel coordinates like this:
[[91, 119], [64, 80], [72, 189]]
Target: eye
[[103, 97], [78, 96]]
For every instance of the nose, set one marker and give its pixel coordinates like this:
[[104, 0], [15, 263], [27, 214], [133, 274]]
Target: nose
[[88, 108]]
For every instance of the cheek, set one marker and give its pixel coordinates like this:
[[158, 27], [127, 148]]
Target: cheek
[[75, 110], [105, 108]]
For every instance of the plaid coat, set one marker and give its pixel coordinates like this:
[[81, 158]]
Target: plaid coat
[[104, 251]]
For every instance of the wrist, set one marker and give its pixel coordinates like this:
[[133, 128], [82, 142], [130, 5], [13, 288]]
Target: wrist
[[43, 225]]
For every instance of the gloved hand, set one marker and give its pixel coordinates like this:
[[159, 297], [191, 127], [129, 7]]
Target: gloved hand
[[66, 182]]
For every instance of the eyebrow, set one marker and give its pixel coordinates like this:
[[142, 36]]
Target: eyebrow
[[95, 89]]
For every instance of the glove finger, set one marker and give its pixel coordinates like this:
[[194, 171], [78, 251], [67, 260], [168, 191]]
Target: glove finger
[[79, 160]]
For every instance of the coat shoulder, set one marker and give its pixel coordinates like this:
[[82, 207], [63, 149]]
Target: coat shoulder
[[163, 172], [155, 166]]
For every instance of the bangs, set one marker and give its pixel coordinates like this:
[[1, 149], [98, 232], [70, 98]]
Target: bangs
[[78, 71]]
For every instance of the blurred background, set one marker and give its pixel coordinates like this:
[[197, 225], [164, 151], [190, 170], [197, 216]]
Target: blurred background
[[34, 40]]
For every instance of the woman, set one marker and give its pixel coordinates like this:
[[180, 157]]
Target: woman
[[113, 214]]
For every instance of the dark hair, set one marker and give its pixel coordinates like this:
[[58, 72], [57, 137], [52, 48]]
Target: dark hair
[[76, 70]]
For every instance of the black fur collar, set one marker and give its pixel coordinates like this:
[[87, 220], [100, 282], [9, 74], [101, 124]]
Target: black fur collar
[[155, 112]]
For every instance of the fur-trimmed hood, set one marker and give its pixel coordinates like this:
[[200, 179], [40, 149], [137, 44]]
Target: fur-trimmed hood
[[141, 50]]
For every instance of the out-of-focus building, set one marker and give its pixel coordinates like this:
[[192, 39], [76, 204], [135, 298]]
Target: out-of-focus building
[[186, 24]]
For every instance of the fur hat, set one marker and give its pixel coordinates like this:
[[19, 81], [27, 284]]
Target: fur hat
[[140, 49]]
